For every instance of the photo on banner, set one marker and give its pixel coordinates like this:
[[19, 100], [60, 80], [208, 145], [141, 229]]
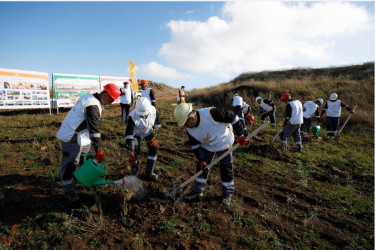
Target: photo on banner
[[21, 89], [69, 88]]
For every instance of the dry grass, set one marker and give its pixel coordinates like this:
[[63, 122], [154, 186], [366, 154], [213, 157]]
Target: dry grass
[[352, 88]]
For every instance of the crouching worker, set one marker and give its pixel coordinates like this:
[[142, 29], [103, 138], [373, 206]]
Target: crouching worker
[[141, 123], [80, 131], [210, 131]]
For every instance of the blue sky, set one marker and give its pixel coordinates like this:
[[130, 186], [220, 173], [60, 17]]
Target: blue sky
[[196, 44]]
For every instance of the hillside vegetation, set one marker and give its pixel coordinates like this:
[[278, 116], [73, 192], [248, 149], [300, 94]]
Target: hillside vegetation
[[353, 84], [321, 198]]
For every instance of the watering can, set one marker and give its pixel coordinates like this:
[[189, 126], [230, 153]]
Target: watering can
[[90, 172], [315, 130]]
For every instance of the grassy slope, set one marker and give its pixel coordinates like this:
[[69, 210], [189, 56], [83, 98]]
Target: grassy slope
[[320, 198]]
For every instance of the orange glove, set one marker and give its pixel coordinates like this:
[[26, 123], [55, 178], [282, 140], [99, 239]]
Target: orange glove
[[351, 111], [322, 115], [153, 143], [203, 166], [284, 125], [132, 159], [99, 157], [242, 140]]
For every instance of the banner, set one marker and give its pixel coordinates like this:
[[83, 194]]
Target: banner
[[69, 88], [118, 81], [133, 77], [20, 89]]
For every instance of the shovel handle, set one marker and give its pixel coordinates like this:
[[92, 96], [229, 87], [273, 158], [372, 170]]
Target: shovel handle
[[347, 119], [256, 131]]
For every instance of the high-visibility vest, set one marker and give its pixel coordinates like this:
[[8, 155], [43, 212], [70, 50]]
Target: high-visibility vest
[[75, 117], [309, 107], [334, 108], [214, 136], [297, 112], [143, 127]]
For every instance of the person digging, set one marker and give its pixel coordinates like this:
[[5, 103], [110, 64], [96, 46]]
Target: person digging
[[141, 124], [210, 131]]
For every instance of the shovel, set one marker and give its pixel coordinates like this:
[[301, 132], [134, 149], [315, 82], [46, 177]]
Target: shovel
[[347, 119], [256, 131], [277, 134]]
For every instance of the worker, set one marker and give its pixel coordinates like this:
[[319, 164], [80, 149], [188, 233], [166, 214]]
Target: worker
[[79, 132], [148, 92], [267, 109], [333, 109], [210, 131], [181, 95], [237, 104], [309, 108], [292, 122], [126, 101], [141, 124], [246, 110]]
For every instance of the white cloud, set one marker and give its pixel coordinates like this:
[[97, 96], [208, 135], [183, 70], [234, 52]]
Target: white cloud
[[252, 36], [156, 70]]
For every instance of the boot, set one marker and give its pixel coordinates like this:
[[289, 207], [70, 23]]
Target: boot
[[153, 177]]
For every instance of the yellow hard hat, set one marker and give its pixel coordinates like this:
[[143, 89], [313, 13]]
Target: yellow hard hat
[[181, 112]]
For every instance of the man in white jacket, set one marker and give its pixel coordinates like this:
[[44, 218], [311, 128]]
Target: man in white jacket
[[126, 101], [79, 132], [292, 122]]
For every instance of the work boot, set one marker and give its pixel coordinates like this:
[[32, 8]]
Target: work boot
[[299, 149], [226, 200], [193, 196], [153, 177], [71, 196]]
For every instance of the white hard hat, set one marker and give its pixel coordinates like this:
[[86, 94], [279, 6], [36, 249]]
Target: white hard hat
[[333, 96], [320, 100], [258, 98], [244, 104], [143, 106], [181, 112]]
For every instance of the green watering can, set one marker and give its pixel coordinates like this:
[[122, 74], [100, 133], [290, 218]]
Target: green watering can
[[315, 130], [90, 172]]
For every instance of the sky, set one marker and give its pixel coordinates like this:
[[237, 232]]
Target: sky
[[192, 43]]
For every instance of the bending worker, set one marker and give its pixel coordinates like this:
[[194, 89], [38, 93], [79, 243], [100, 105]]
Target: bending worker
[[210, 131], [80, 131], [141, 123], [267, 108]]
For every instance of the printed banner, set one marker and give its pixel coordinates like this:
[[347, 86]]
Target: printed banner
[[118, 81], [69, 88], [20, 89], [133, 77]]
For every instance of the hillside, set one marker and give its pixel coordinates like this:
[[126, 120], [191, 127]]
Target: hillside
[[321, 198], [354, 85]]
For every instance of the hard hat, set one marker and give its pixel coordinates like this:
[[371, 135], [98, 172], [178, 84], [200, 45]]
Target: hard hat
[[144, 82], [244, 104], [333, 96], [258, 98], [112, 90], [315, 130], [250, 118], [143, 106], [285, 96], [320, 100], [181, 112]]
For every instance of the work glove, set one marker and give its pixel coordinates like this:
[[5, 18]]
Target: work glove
[[284, 125], [242, 140], [351, 111], [153, 143], [99, 157], [132, 159], [322, 115], [203, 165], [273, 108]]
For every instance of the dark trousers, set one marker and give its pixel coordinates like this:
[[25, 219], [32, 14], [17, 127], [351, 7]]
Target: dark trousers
[[152, 153], [332, 123], [306, 125], [124, 112], [226, 173], [271, 115]]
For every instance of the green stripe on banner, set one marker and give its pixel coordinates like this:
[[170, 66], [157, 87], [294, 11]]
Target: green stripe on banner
[[76, 77]]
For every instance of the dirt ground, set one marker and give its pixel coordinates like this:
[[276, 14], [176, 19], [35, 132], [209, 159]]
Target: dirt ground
[[271, 208]]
